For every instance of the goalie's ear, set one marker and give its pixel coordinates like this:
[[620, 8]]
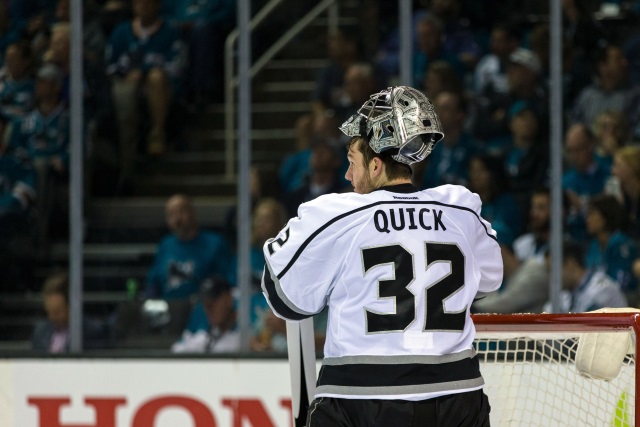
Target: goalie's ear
[[600, 355]]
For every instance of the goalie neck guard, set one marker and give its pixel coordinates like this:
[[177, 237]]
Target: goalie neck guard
[[400, 118]]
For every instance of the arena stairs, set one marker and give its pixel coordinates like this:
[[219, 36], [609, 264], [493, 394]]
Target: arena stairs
[[121, 231]]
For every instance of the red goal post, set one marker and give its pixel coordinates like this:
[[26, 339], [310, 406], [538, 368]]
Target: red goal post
[[532, 379]]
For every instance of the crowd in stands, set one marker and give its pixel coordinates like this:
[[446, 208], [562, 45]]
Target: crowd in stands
[[485, 66], [142, 58]]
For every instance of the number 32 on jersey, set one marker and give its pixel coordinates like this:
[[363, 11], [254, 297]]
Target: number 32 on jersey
[[402, 261]]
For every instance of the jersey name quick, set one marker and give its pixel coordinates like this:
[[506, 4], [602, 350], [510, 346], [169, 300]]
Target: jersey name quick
[[399, 270]]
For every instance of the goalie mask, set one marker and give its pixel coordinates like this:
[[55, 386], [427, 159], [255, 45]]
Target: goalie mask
[[400, 118]]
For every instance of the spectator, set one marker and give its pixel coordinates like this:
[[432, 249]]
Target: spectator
[[310, 129], [344, 50], [611, 92], [204, 26], [37, 17], [449, 164], [295, 165], [583, 178], [431, 48], [526, 285], [457, 33], [230, 228], [441, 77], [271, 333], [10, 29], [323, 178], [580, 29], [145, 59], [212, 324], [625, 181], [42, 136], [359, 82], [610, 250], [584, 289], [52, 335], [490, 74], [526, 156], [59, 53], [268, 332], [487, 178], [611, 130], [187, 256], [269, 216], [17, 85], [114, 12], [524, 82], [17, 197]]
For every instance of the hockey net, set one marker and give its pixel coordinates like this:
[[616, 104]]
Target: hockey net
[[531, 364]]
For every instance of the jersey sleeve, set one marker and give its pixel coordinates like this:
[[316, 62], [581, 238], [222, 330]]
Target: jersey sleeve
[[487, 253], [484, 243], [301, 263]]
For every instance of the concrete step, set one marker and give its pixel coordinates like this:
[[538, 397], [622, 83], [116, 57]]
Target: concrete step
[[148, 212], [293, 69], [263, 116], [193, 162], [215, 140], [196, 185], [34, 301], [120, 252]]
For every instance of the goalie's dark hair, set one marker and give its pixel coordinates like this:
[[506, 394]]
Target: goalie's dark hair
[[393, 168]]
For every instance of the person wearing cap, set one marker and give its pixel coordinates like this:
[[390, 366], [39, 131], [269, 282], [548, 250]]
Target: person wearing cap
[[212, 325], [398, 269], [490, 73], [524, 84]]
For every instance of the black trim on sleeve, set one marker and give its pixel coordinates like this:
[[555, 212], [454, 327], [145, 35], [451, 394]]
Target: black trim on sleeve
[[276, 302]]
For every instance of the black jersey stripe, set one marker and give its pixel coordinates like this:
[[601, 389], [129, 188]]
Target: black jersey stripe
[[384, 202], [278, 303], [399, 375]]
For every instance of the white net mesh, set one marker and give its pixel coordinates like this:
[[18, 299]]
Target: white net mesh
[[532, 381]]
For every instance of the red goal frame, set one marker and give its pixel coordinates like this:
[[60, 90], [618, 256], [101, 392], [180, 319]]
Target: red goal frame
[[566, 322]]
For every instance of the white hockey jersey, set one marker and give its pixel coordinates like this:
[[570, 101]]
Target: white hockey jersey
[[399, 269]]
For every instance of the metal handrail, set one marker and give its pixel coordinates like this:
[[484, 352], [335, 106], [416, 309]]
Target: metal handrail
[[231, 80]]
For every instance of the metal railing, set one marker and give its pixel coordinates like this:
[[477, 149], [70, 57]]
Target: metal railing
[[231, 79]]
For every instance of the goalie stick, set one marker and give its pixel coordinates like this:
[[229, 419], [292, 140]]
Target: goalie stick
[[302, 366]]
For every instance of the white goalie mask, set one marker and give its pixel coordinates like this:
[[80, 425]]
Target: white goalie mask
[[400, 118]]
